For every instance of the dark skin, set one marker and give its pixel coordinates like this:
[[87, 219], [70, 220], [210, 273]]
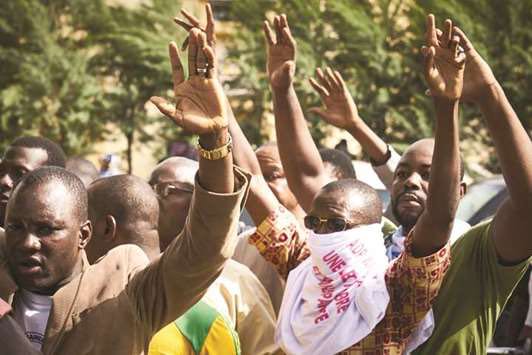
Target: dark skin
[[511, 224], [334, 205], [411, 183], [273, 173], [173, 209], [16, 163], [201, 109], [45, 237], [110, 231], [444, 68]]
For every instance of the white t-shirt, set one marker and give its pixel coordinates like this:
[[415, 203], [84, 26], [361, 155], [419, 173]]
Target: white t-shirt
[[31, 313]]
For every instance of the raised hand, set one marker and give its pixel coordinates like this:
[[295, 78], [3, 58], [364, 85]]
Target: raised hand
[[200, 100], [340, 109], [444, 63], [195, 23], [478, 75], [281, 47]]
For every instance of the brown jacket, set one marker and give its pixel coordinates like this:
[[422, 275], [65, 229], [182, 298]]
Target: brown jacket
[[115, 306]]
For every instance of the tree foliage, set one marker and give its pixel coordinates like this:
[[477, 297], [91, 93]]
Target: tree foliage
[[68, 68], [46, 87], [375, 45]]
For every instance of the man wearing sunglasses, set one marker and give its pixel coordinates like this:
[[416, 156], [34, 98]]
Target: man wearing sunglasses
[[237, 293], [344, 251]]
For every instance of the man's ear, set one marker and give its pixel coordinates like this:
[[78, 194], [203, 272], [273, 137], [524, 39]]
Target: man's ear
[[109, 233], [85, 234], [463, 189]]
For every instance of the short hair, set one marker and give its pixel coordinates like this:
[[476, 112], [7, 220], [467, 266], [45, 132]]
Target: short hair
[[128, 198], [368, 205], [83, 168], [343, 166], [55, 154], [54, 174]]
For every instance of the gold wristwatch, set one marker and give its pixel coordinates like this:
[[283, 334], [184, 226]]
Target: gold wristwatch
[[216, 153]]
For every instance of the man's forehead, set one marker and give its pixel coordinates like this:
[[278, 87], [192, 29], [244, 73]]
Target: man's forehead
[[417, 156], [330, 203], [173, 172], [49, 200]]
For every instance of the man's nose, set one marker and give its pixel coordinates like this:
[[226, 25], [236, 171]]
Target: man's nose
[[6, 183], [30, 243], [413, 182], [322, 228]]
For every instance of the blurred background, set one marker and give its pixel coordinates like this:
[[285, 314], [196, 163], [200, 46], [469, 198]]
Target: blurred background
[[81, 71]]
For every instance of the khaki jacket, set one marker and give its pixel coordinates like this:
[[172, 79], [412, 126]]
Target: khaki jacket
[[115, 305], [240, 297]]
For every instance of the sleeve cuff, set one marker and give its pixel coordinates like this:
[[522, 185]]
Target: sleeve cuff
[[431, 265], [224, 201]]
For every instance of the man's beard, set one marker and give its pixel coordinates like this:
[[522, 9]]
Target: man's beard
[[407, 221]]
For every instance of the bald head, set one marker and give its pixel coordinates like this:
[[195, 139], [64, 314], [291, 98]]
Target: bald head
[[123, 209], [349, 199], [83, 169], [175, 169]]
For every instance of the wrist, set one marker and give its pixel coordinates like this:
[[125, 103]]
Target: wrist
[[215, 139], [282, 90], [445, 103], [356, 126]]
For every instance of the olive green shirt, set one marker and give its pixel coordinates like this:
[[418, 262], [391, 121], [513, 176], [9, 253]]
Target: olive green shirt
[[472, 296]]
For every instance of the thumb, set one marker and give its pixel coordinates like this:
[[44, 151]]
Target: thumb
[[163, 106], [289, 68], [166, 108]]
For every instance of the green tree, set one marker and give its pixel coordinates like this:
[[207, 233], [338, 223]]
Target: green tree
[[132, 56], [375, 45], [45, 85], [70, 67]]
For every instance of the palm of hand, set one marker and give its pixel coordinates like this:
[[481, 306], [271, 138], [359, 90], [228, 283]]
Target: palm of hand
[[278, 56], [341, 110], [446, 77], [201, 104]]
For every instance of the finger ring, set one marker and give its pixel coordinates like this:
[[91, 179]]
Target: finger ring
[[201, 71]]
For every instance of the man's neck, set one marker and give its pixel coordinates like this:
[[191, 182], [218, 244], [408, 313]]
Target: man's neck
[[148, 241], [76, 270]]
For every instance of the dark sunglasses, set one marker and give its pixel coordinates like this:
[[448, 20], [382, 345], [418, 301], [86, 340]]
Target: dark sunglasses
[[335, 224]]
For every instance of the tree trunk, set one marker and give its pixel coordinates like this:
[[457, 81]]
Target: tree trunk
[[130, 138]]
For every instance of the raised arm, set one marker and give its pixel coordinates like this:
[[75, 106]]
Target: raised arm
[[340, 111], [444, 72], [170, 285], [300, 157], [261, 201], [512, 223]]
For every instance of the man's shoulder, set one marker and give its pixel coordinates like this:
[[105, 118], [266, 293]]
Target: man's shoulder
[[236, 272], [238, 279], [473, 240], [123, 260]]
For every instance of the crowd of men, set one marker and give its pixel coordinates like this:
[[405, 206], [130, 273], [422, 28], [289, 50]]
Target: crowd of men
[[120, 265]]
